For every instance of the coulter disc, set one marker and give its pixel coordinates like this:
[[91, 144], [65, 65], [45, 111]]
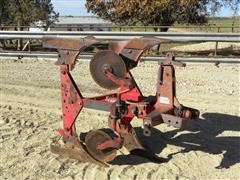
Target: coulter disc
[[93, 139], [107, 60]]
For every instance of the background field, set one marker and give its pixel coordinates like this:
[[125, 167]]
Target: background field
[[31, 112], [213, 25]]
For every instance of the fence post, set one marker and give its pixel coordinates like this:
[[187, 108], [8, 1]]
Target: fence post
[[19, 41], [2, 41], [216, 47]]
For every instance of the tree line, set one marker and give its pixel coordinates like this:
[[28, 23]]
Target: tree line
[[158, 12], [120, 12]]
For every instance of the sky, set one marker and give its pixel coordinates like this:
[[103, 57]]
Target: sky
[[70, 7], [77, 8]]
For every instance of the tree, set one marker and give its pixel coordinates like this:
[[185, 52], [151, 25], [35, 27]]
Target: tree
[[25, 12], [3, 11], [158, 12]]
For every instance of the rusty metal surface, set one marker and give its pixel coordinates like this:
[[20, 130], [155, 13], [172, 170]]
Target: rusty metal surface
[[117, 46], [68, 43], [133, 145], [170, 60], [137, 43], [194, 112], [93, 139], [66, 57], [111, 69], [132, 50], [131, 141], [74, 149], [107, 60], [68, 49], [144, 43]]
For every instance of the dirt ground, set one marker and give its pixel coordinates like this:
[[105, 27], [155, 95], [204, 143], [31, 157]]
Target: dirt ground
[[31, 112]]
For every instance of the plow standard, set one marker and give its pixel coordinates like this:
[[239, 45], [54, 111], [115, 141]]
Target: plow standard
[[110, 69]]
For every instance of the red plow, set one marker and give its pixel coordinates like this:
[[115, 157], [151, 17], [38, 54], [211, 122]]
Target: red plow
[[110, 69]]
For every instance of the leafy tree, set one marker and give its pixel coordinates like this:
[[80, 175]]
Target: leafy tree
[[3, 11], [157, 12], [25, 12]]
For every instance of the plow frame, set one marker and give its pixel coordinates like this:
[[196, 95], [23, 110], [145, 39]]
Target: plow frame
[[125, 104]]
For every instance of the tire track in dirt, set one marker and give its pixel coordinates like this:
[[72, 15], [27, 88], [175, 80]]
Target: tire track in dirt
[[109, 173], [34, 97], [84, 170], [135, 177], [125, 169], [150, 174]]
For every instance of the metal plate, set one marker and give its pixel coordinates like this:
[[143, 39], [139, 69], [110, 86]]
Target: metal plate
[[107, 59], [78, 44], [95, 137], [74, 149], [134, 146]]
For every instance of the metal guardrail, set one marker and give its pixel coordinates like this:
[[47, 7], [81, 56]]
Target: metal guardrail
[[102, 35], [191, 60], [117, 26], [207, 27]]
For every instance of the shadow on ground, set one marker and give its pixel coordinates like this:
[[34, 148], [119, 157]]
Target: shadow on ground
[[202, 135]]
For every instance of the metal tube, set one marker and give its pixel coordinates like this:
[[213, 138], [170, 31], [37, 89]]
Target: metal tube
[[197, 60], [101, 35]]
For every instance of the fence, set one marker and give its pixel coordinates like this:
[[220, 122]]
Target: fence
[[204, 28], [191, 60], [101, 35], [172, 36]]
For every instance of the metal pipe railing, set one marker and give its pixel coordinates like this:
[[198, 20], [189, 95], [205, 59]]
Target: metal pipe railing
[[107, 35], [211, 27], [194, 60]]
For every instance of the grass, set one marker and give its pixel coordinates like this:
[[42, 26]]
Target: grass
[[213, 25]]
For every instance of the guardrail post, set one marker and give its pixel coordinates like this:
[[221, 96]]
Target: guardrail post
[[2, 41], [216, 46]]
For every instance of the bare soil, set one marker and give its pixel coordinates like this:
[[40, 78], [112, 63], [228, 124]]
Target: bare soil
[[31, 113]]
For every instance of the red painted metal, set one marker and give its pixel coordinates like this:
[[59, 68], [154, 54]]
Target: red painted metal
[[128, 102]]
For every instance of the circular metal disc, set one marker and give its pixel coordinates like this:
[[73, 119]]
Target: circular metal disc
[[107, 59], [96, 137]]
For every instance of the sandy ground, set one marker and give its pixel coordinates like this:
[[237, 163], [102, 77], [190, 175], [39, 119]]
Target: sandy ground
[[207, 46], [31, 112]]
